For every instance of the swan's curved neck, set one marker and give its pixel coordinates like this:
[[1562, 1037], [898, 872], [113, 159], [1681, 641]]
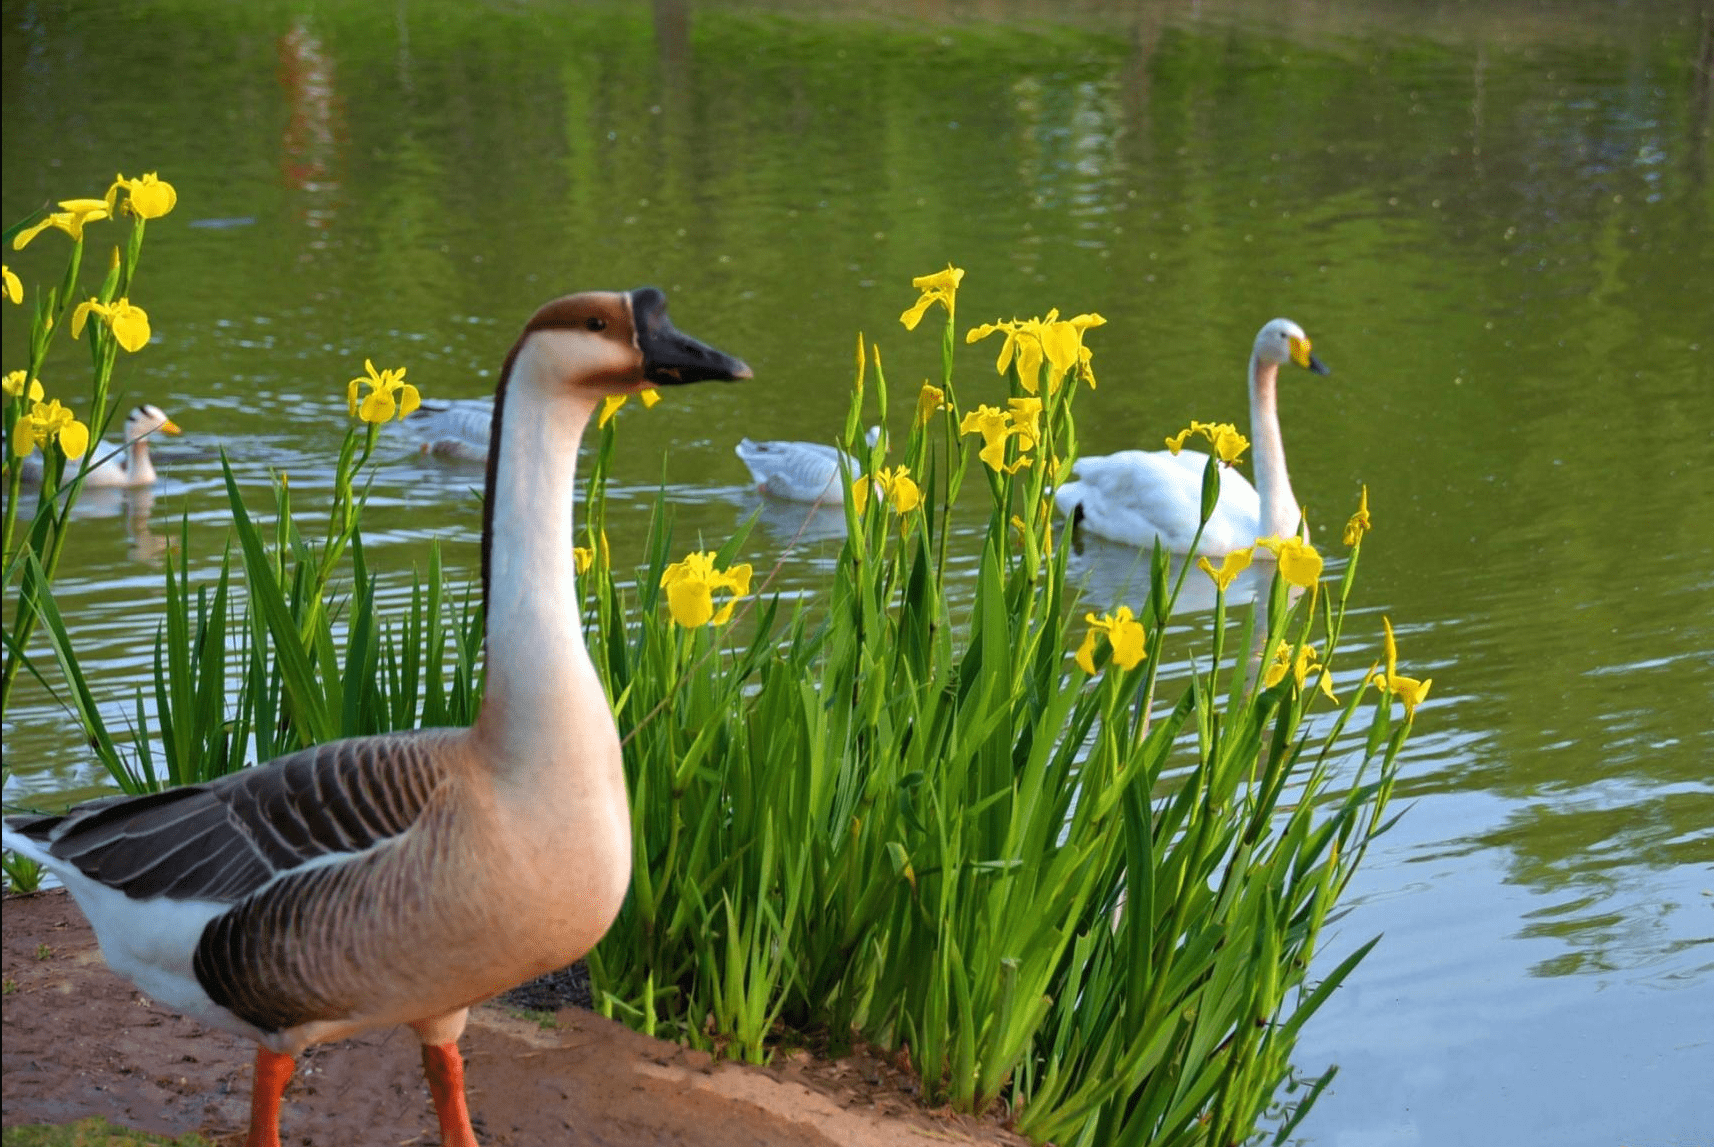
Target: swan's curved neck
[[1280, 512], [541, 695]]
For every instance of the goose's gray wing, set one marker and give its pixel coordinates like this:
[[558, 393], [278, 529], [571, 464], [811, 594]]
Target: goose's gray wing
[[224, 840]]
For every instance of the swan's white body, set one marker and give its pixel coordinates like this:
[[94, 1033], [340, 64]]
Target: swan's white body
[[1136, 496], [454, 428], [132, 469], [401, 878], [799, 471]]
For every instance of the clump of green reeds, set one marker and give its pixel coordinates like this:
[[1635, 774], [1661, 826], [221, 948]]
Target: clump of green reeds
[[934, 828]]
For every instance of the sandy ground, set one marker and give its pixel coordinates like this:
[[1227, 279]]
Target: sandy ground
[[79, 1041]]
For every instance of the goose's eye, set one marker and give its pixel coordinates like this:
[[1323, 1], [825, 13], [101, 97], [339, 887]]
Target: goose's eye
[[595, 324]]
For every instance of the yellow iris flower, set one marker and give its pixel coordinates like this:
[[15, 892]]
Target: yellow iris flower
[[1223, 437], [71, 217], [929, 400], [14, 386], [1231, 566], [611, 404], [129, 324], [1025, 414], [900, 488], [995, 426], [896, 485], [1407, 689], [1055, 341], [14, 289], [582, 557], [48, 422], [940, 287], [1299, 562], [389, 394], [1300, 669], [690, 587], [1124, 633], [1359, 522], [147, 197]]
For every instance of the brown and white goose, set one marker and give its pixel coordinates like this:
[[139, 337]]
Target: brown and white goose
[[399, 879]]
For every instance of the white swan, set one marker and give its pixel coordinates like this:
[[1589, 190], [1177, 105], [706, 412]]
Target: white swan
[[1135, 496], [455, 428], [799, 471], [402, 878], [133, 469]]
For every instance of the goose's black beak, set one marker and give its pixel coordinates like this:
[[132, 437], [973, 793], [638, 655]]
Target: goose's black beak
[[1316, 366], [670, 357]]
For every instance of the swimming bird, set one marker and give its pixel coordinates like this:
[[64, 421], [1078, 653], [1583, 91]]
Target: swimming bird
[[402, 878], [799, 471], [1135, 496], [134, 469], [455, 428]]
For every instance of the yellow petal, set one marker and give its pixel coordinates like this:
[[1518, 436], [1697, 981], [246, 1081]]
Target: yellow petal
[[609, 407], [946, 280], [150, 198], [1392, 649], [81, 316], [860, 495], [914, 313], [651, 397], [409, 399], [22, 238], [130, 326], [23, 438], [378, 407], [1128, 638], [74, 439], [582, 557], [1029, 363], [13, 288], [690, 602], [906, 495], [1059, 343], [736, 579], [1086, 653], [929, 400]]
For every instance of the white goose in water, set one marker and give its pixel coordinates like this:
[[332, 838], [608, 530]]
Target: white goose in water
[[455, 428], [799, 471], [1135, 496], [402, 878], [134, 469]]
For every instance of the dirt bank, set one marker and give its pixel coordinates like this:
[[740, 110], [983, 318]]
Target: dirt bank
[[79, 1041]]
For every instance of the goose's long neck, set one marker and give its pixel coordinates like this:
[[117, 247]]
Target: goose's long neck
[[1280, 512], [138, 468], [542, 696]]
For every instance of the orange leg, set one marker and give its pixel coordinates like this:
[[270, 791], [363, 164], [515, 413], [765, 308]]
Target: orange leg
[[273, 1072], [444, 1069]]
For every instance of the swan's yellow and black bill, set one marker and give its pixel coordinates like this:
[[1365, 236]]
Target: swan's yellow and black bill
[[671, 357], [1300, 354]]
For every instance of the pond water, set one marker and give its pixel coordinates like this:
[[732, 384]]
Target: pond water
[[1495, 221]]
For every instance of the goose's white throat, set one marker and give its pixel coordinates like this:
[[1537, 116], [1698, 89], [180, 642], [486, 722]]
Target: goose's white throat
[[542, 691]]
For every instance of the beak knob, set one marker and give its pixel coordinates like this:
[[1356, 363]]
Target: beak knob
[[671, 357]]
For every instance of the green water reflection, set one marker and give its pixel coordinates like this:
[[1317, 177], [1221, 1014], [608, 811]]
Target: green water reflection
[[1496, 224]]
